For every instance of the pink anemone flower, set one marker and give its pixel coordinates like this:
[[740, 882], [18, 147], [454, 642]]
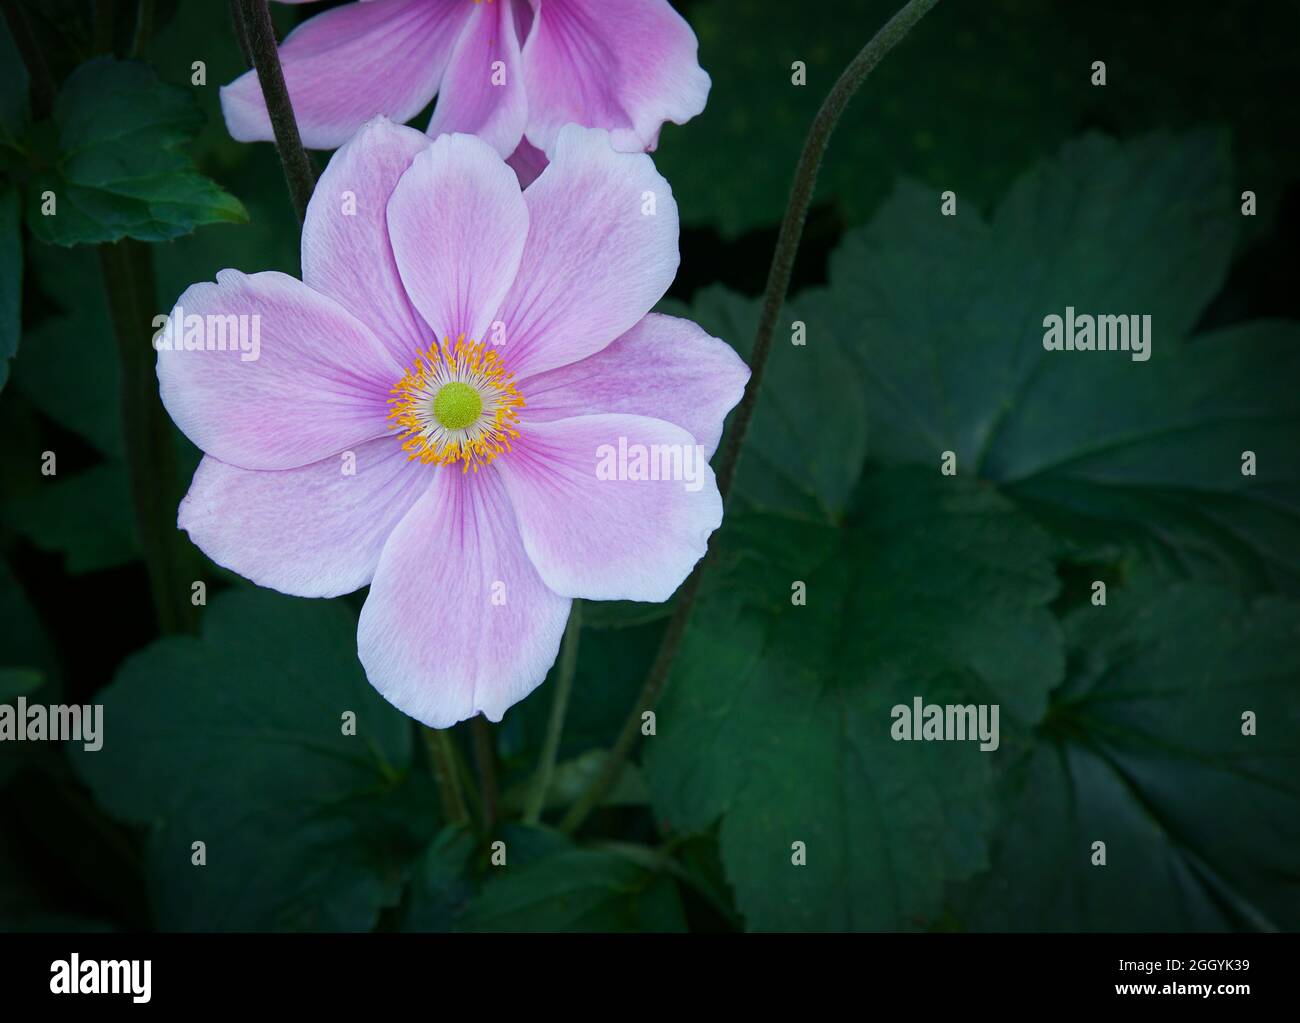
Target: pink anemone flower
[[465, 403], [512, 72]]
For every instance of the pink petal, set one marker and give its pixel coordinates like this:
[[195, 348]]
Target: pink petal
[[602, 538], [483, 91], [319, 381], [458, 224], [347, 65], [624, 65], [596, 259], [431, 637], [346, 252], [315, 531], [664, 367]]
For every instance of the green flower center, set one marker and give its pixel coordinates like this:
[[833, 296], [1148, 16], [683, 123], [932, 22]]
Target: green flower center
[[457, 405]]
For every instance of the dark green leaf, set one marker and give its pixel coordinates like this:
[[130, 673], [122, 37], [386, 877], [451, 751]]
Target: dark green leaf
[[70, 367], [808, 437], [121, 172], [450, 875], [15, 682], [1143, 749], [576, 890], [236, 740], [70, 371], [945, 316], [440, 888], [269, 241], [27, 663], [86, 516], [778, 716]]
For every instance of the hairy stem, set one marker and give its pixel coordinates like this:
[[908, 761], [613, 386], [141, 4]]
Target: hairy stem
[[555, 724], [256, 34], [778, 283], [796, 212], [442, 761], [127, 268]]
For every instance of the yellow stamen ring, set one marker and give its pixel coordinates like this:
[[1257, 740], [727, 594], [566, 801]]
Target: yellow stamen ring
[[456, 403]]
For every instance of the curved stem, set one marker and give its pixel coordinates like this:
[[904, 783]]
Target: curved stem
[[796, 212], [778, 283], [257, 36], [555, 724]]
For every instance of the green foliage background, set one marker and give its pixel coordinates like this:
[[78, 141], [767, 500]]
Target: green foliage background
[[1120, 723]]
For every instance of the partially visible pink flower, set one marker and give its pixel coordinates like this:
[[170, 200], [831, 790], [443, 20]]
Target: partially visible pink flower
[[509, 71], [383, 436]]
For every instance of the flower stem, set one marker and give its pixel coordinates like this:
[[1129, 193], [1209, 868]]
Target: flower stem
[[555, 724], [256, 35], [127, 268], [655, 681], [485, 762], [778, 283], [442, 761], [796, 212]]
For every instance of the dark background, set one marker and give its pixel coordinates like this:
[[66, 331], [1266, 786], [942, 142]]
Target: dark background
[[1122, 729]]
